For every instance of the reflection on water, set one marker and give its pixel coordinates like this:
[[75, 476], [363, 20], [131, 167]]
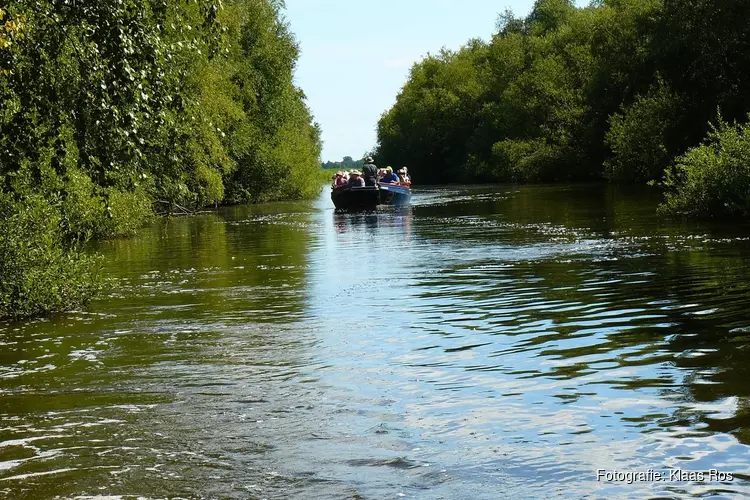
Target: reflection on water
[[483, 342]]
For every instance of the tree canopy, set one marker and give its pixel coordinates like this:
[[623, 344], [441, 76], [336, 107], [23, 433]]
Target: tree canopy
[[614, 90], [348, 163], [114, 110]]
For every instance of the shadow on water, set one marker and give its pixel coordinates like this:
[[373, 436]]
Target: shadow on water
[[485, 341], [166, 378], [398, 217]]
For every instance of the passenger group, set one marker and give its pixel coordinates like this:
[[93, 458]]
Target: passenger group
[[371, 175]]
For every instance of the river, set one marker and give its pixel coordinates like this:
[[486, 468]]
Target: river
[[485, 342]]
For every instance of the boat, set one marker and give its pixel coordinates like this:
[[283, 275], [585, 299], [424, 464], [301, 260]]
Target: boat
[[369, 197], [396, 194]]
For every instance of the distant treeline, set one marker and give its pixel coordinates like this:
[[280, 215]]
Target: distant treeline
[[621, 90], [347, 164], [112, 111]]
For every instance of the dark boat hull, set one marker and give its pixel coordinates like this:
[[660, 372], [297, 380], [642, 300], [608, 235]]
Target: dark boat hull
[[369, 197], [356, 198], [394, 194]]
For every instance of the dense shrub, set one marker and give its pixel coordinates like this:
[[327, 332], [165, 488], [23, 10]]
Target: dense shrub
[[83, 207], [39, 272], [126, 212], [110, 111], [712, 179]]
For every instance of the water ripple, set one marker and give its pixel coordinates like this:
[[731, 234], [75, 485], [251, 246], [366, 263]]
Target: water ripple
[[485, 342]]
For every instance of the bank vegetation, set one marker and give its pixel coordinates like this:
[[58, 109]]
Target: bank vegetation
[[113, 111], [631, 91]]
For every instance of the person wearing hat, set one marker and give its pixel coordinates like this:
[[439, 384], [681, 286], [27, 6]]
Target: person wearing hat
[[370, 171], [389, 176], [340, 179], [355, 180]]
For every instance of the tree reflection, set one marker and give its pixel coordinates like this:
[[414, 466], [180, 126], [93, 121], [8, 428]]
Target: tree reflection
[[589, 280]]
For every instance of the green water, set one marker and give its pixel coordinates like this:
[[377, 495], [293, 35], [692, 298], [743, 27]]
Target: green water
[[483, 343]]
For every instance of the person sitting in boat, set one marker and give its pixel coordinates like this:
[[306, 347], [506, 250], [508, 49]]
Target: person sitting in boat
[[389, 176], [403, 177], [355, 179], [407, 177], [340, 179], [370, 172]]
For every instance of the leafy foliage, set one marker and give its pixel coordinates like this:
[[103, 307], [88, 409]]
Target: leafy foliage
[[614, 90], [511, 109], [348, 163], [113, 109], [639, 136], [39, 272], [713, 178]]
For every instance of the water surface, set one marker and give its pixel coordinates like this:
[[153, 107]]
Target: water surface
[[485, 342]]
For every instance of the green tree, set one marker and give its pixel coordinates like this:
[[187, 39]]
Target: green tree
[[640, 137], [112, 110]]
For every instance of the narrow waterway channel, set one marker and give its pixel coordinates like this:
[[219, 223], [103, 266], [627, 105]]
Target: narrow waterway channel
[[483, 343]]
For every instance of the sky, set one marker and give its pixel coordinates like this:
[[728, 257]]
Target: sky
[[356, 55]]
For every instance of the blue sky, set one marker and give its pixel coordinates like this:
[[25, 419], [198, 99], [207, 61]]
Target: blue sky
[[356, 55]]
